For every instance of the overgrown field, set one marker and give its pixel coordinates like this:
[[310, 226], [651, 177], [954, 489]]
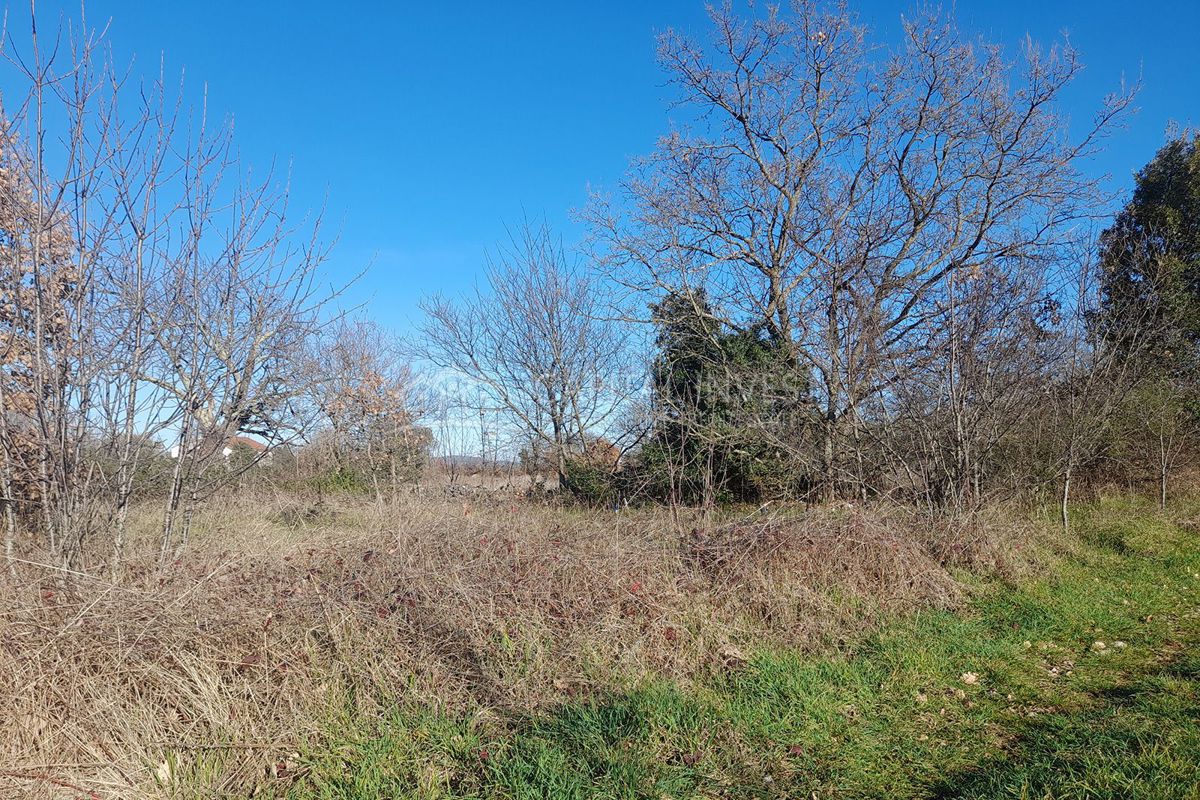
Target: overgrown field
[[342, 651]]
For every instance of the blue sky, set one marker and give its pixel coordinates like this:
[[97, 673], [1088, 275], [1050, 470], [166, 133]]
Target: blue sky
[[428, 126]]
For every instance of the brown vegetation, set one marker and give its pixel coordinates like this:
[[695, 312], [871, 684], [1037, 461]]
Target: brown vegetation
[[283, 613]]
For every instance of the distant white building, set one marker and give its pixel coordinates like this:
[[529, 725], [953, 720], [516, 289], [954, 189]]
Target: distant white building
[[260, 450]]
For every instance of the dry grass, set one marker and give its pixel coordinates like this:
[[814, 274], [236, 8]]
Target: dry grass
[[199, 681]]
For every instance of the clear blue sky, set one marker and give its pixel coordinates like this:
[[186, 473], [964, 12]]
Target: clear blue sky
[[430, 125]]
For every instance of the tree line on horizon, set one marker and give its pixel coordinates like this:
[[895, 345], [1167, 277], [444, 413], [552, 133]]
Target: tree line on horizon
[[863, 271]]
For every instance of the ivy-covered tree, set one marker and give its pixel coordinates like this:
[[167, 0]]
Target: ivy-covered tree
[[725, 401]]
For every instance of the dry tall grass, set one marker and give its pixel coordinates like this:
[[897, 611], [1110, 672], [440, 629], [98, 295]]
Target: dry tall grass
[[201, 680]]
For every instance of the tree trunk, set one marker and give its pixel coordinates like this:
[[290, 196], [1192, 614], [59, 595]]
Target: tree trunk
[[829, 451], [1163, 463], [564, 480], [10, 514], [833, 390], [10, 527], [1065, 499]]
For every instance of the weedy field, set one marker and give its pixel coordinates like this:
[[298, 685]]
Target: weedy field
[[353, 651]]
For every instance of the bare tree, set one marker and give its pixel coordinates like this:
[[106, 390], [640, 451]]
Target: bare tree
[[536, 344], [832, 191], [1091, 380], [238, 312], [152, 293], [1161, 423]]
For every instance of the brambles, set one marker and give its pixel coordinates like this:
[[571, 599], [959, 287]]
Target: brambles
[[276, 617]]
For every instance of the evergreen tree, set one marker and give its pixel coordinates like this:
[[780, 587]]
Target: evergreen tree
[[1150, 262]]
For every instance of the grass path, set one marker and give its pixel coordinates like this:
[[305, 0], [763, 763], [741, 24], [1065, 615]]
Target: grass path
[[1084, 684]]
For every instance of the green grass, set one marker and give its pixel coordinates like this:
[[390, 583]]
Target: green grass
[[1050, 715]]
